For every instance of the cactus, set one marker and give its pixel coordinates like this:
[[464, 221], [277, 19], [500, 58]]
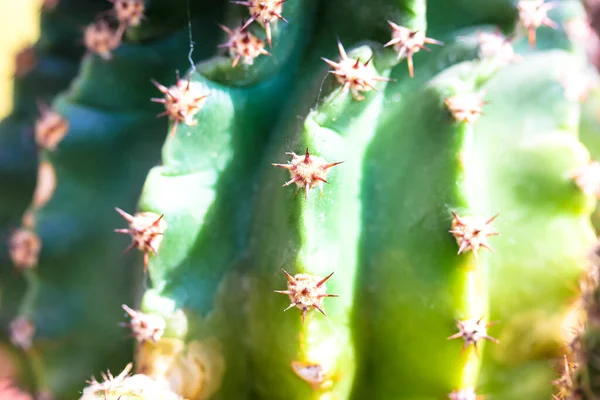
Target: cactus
[[388, 200], [41, 72], [103, 109]]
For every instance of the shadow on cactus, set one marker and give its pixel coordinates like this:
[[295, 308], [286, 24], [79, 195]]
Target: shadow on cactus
[[385, 200]]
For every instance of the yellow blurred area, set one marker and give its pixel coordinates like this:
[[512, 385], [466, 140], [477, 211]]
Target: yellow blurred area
[[19, 27]]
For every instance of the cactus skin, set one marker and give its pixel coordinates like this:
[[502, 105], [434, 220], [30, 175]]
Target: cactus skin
[[381, 224]]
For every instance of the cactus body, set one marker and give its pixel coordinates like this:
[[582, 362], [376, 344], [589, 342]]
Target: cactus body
[[427, 242]]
